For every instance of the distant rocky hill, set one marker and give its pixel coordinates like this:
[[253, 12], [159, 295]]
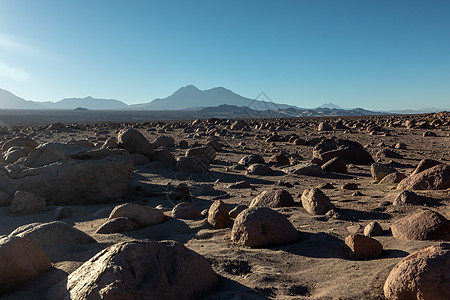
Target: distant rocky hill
[[88, 102], [10, 101], [190, 97]]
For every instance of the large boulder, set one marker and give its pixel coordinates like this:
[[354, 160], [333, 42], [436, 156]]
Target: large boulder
[[336, 165], [424, 225], [434, 178], [363, 247], [164, 141], [257, 227], [191, 164], [422, 275], [20, 261], [307, 168], [25, 203], [218, 215], [140, 270], [143, 215], [352, 152], [316, 202], [273, 199], [206, 153], [135, 142], [251, 159], [379, 171], [25, 142], [425, 164], [97, 176], [56, 233], [49, 153]]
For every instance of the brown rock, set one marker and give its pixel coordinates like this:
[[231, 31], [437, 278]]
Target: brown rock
[[434, 178], [143, 215], [207, 153], [422, 275], [351, 152], [388, 153], [140, 270], [363, 247], [273, 199], [279, 159], [257, 227], [423, 225], [120, 224], [405, 197], [392, 178], [186, 211], [25, 203], [259, 169], [133, 141], [316, 202], [251, 159], [425, 164], [191, 165], [20, 261], [237, 210], [373, 229], [379, 171], [336, 165], [20, 142], [218, 215]]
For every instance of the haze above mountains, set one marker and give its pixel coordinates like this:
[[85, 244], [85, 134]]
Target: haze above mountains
[[185, 98]]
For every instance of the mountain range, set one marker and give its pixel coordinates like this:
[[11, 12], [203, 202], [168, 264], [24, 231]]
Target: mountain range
[[217, 99]]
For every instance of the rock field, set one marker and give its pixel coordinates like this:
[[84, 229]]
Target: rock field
[[306, 208]]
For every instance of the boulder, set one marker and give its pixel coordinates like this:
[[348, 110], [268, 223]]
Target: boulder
[[310, 169], [62, 212], [259, 169], [434, 178], [379, 171], [258, 227], [324, 126], [164, 141], [19, 142], [135, 142], [186, 210], [49, 153], [425, 164], [336, 165], [351, 152], [405, 197], [207, 153], [165, 156], [423, 275], [218, 215], [191, 165], [97, 176], [373, 229], [279, 159], [388, 153], [363, 247], [53, 234], [251, 159], [273, 199], [25, 203], [20, 261], [392, 178], [423, 225], [237, 210], [15, 153], [316, 202], [120, 224], [140, 270], [143, 215], [138, 159]]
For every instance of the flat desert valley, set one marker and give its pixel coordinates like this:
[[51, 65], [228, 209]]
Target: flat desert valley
[[301, 208]]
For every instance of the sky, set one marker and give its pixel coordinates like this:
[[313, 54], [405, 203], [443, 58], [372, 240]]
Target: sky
[[379, 54]]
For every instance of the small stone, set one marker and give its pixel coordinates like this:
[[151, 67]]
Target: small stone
[[62, 212], [373, 229], [218, 215]]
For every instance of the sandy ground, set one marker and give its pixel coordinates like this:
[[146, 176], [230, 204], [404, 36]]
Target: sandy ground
[[317, 266]]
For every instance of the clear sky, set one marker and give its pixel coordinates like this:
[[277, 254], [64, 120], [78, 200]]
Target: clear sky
[[383, 54]]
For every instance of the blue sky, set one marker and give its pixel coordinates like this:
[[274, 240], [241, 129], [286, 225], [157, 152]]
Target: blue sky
[[380, 54]]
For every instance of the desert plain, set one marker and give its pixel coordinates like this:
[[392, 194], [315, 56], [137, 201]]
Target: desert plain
[[315, 262]]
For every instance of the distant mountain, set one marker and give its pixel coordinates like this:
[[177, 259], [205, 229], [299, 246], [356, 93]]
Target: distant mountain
[[330, 105], [88, 102], [416, 111], [190, 97], [10, 101]]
